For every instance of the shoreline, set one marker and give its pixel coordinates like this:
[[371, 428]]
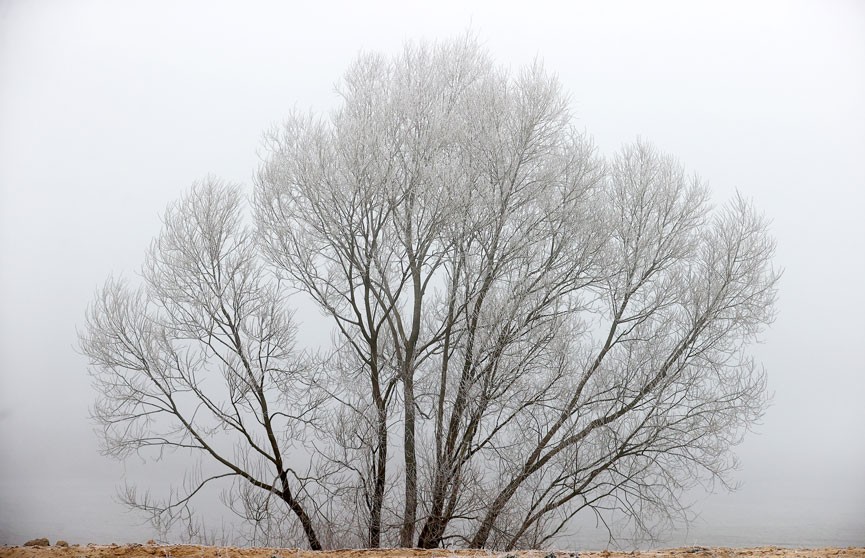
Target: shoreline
[[135, 550]]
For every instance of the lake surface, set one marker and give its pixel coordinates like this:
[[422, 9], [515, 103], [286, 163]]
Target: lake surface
[[83, 511]]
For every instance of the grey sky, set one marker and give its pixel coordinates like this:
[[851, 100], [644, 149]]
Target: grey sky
[[109, 110]]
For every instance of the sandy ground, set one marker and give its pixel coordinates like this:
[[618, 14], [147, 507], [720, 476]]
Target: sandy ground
[[192, 551]]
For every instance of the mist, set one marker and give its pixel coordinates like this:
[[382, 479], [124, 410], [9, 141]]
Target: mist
[[109, 111]]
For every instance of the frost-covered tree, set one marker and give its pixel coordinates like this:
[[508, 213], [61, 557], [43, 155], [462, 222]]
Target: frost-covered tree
[[523, 330], [201, 357]]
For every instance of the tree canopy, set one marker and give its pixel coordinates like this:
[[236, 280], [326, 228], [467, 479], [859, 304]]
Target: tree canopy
[[522, 329]]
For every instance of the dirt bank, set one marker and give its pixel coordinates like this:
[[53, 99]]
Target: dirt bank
[[193, 551]]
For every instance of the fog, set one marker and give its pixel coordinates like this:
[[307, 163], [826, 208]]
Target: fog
[[108, 111]]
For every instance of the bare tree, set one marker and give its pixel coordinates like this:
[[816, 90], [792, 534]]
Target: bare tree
[[523, 330], [354, 213], [201, 358], [568, 333]]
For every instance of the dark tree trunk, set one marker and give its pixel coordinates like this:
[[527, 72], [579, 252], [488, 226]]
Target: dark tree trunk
[[486, 527], [433, 529], [305, 521], [380, 474], [406, 535], [434, 526]]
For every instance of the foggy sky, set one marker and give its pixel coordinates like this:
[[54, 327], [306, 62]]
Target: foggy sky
[[108, 111]]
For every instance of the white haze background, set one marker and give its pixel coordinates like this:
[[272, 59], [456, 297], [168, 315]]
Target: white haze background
[[109, 110]]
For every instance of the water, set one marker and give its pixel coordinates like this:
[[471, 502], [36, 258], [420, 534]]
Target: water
[[83, 510], [78, 511]]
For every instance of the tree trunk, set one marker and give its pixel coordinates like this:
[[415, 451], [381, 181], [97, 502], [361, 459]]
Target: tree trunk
[[483, 532], [433, 529], [430, 535], [406, 535], [380, 473], [305, 521]]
